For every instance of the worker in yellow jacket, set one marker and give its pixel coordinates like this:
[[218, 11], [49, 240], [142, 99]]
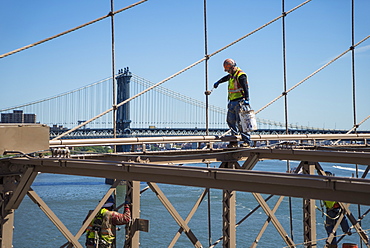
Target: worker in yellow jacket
[[99, 233], [238, 96], [333, 211]]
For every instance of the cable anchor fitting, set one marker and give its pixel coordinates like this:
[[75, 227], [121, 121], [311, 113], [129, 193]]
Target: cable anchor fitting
[[284, 93]]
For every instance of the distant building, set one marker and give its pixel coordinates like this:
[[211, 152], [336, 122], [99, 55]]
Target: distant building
[[18, 117]]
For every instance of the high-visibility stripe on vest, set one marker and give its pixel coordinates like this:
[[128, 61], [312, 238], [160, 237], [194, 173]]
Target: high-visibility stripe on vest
[[235, 90], [331, 204], [105, 233]]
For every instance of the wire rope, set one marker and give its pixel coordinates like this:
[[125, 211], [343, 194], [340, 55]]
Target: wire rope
[[207, 114], [312, 74], [70, 30], [286, 109], [114, 120], [353, 67], [174, 75]]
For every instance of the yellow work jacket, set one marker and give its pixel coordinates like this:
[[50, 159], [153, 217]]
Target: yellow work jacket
[[105, 233], [235, 90], [331, 204]]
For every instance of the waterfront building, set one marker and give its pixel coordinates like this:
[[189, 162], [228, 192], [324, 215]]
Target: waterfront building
[[18, 117]]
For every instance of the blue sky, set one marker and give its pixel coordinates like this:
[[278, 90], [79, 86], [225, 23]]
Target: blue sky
[[161, 37]]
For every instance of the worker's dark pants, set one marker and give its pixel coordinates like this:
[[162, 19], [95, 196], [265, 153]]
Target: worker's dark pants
[[233, 120], [332, 220]]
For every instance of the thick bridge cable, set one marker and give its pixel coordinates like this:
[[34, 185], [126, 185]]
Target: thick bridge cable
[[315, 72], [179, 72], [263, 26], [71, 30]]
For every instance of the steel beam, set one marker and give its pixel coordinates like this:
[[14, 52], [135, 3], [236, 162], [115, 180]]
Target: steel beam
[[132, 232], [284, 235], [355, 223], [198, 138], [22, 188], [176, 216], [351, 190], [188, 218], [93, 213], [228, 155], [309, 211], [264, 226], [228, 218], [7, 226], [50, 214]]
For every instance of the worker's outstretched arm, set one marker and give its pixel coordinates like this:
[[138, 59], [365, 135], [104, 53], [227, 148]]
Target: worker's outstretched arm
[[122, 219], [223, 79]]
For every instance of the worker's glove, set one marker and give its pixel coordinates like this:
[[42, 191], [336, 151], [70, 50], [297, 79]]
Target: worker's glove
[[246, 102], [216, 85]]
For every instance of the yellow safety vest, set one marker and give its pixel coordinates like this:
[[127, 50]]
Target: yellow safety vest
[[105, 233], [331, 204], [235, 90]]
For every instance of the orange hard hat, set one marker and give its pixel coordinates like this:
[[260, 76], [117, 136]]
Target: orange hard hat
[[228, 64]]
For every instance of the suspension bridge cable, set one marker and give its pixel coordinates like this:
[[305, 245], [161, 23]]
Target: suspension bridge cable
[[176, 74], [263, 26], [315, 72], [354, 86], [54, 97], [206, 62], [286, 108], [353, 66], [70, 30], [207, 114], [113, 75]]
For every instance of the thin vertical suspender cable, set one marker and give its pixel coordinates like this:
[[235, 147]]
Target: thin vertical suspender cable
[[206, 62], [354, 88], [113, 74], [286, 110], [353, 67], [207, 117]]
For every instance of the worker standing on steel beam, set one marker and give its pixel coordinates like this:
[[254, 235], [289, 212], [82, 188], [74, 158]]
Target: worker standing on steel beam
[[333, 211], [238, 96], [99, 233]]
